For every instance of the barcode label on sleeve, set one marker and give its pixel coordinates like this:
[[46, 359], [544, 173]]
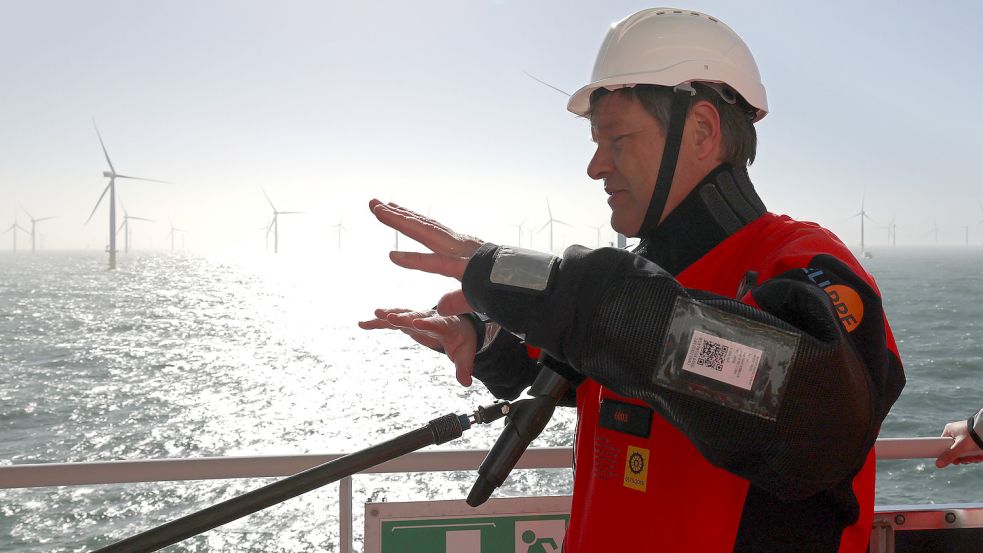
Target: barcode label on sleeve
[[722, 360]]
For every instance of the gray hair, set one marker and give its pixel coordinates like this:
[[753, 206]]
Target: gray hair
[[740, 140]]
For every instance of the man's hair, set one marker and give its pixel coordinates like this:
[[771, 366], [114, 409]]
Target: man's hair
[[740, 141]]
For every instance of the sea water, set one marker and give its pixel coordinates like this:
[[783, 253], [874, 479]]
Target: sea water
[[190, 356]]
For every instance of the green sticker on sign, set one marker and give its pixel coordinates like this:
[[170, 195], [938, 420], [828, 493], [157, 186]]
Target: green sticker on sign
[[521, 525]]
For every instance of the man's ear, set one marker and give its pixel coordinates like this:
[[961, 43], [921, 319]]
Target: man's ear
[[705, 135]]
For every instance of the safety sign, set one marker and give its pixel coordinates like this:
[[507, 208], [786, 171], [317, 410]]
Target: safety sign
[[520, 525]]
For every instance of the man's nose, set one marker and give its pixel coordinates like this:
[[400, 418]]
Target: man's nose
[[600, 165]]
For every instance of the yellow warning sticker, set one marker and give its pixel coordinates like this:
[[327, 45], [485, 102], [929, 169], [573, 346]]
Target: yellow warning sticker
[[636, 468]]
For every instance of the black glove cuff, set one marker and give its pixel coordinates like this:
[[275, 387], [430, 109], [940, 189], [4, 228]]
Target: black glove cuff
[[972, 431]]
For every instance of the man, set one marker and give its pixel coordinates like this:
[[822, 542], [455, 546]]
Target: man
[[738, 364]]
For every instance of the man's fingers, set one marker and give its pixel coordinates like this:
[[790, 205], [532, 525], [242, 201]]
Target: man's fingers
[[424, 230], [946, 458], [448, 266], [453, 303], [435, 325], [463, 367], [961, 445], [375, 324]]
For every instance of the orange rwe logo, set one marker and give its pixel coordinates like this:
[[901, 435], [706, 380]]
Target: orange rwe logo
[[848, 306]]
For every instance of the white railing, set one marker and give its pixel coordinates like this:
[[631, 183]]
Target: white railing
[[160, 470]]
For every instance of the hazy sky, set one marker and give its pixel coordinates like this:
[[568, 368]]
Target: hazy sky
[[327, 104]]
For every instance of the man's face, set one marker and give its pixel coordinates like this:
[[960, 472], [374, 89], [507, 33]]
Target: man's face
[[629, 152]]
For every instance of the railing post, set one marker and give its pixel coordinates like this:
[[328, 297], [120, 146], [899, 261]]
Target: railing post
[[345, 514]]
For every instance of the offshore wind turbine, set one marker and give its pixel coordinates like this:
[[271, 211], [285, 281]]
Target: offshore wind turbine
[[863, 215], [14, 228], [935, 230], [171, 233], [125, 227], [275, 222], [598, 229], [34, 224], [340, 228], [550, 223], [112, 175], [891, 232], [519, 227]]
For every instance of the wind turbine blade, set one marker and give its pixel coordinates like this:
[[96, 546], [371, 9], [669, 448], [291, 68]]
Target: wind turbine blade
[[290, 212], [143, 179], [869, 217], [544, 83], [44, 219], [546, 224], [111, 168], [268, 199], [29, 216], [548, 209], [141, 219], [100, 201], [563, 223], [123, 224], [23, 229]]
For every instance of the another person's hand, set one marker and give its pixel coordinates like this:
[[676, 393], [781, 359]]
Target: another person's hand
[[452, 335], [451, 250], [963, 450]]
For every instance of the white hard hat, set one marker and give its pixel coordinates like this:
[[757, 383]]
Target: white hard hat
[[670, 47]]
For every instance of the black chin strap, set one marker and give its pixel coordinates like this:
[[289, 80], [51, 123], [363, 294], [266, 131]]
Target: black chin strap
[[670, 155]]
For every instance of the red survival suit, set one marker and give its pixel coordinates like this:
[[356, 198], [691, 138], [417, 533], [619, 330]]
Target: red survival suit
[[646, 478]]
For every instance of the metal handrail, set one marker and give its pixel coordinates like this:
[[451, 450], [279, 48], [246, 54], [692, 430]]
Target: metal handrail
[[205, 468]]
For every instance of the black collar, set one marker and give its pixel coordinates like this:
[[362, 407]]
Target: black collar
[[718, 207]]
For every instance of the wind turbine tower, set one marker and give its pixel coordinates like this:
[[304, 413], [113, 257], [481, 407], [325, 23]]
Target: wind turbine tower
[[171, 235], [14, 228], [112, 175], [935, 231], [519, 228], [275, 222], [550, 224], [339, 228], [863, 215], [34, 224]]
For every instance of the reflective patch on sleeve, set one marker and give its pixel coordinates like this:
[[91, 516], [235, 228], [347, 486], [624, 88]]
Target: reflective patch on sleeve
[[524, 269], [726, 359]]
